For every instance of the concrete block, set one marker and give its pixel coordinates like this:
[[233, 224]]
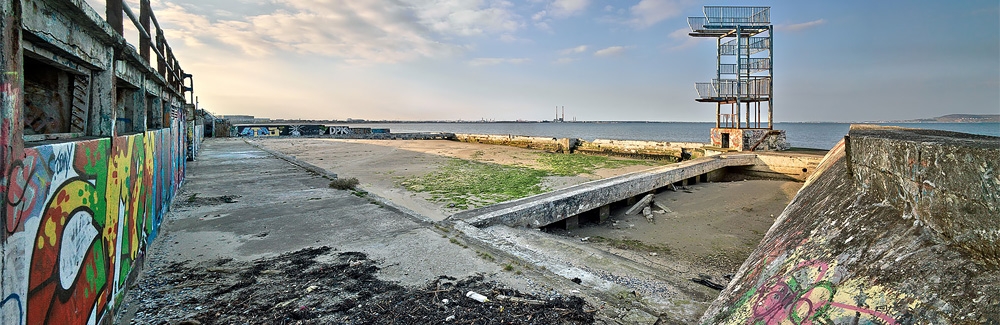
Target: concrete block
[[605, 212], [572, 222]]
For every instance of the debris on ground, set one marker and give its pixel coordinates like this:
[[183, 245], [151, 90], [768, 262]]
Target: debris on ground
[[322, 286]]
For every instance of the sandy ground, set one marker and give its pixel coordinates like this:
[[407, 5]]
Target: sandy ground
[[712, 227], [709, 228], [380, 164]]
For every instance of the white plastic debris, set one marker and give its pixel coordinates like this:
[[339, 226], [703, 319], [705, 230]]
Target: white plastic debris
[[477, 297]]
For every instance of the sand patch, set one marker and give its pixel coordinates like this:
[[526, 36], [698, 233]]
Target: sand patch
[[382, 165]]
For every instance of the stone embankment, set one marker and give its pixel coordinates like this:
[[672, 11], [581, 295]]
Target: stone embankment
[[896, 226]]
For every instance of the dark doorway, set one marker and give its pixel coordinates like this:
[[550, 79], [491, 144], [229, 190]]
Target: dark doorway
[[725, 140]]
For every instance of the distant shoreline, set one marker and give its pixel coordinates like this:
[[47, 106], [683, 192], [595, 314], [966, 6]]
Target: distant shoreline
[[281, 121]]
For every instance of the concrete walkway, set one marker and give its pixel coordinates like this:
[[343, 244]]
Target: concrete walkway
[[244, 203], [240, 202]]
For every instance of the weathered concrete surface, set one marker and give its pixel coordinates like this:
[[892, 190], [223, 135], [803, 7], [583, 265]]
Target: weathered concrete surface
[[551, 207], [788, 165], [647, 293], [520, 141], [641, 149], [282, 208], [898, 227]]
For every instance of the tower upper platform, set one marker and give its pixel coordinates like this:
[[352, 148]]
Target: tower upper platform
[[726, 20]]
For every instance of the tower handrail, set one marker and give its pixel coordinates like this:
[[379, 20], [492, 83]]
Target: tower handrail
[[754, 87]]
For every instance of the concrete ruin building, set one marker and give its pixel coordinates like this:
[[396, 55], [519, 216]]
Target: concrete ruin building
[[94, 137]]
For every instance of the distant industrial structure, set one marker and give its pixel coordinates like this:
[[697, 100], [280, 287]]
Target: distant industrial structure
[[743, 78]]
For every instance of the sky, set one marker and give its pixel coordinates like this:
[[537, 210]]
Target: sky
[[623, 60]]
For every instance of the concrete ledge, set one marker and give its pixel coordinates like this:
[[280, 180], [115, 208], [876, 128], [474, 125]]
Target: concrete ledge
[[548, 208], [948, 181]]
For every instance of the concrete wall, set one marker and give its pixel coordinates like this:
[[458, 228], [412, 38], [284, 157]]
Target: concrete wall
[[895, 227], [520, 141], [641, 149], [782, 166], [80, 205]]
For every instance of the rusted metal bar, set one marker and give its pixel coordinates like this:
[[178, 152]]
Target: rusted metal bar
[[144, 42], [114, 15]]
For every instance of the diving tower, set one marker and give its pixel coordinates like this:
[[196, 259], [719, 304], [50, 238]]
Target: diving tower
[[743, 79]]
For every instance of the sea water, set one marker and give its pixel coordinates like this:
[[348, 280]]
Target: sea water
[[802, 135]]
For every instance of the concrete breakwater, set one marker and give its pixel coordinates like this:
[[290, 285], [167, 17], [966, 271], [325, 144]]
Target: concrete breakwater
[[569, 203], [673, 151]]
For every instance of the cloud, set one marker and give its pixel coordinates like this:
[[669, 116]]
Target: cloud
[[465, 17], [801, 26], [686, 41], [574, 50], [566, 8], [649, 12], [365, 31], [479, 62], [610, 51]]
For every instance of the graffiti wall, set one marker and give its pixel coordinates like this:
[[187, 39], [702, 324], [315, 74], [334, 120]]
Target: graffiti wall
[[861, 244], [279, 130], [77, 220]]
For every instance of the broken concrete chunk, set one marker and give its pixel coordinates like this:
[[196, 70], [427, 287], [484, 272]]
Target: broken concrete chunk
[[639, 205], [662, 206]]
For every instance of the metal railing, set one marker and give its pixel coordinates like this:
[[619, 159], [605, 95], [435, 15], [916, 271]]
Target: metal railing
[[742, 15], [728, 17], [752, 88], [167, 65], [749, 45], [697, 24], [747, 65]]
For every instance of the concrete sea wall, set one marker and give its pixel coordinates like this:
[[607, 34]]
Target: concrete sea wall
[[622, 148], [93, 146], [564, 145], [641, 149], [896, 226]]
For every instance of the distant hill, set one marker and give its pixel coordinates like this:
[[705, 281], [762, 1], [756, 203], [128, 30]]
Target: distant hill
[[959, 118]]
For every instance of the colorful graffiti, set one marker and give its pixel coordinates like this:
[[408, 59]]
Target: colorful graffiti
[[807, 292], [279, 130], [77, 220]]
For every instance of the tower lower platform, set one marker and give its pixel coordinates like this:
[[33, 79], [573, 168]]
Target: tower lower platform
[[749, 139]]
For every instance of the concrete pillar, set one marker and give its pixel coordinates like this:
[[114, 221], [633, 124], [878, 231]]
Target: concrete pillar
[[11, 92], [572, 222], [605, 213], [103, 98]]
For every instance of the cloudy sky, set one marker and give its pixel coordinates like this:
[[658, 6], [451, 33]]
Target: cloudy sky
[[602, 60]]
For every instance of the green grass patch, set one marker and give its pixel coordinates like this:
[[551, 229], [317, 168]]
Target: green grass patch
[[486, 256], [467, 184], [631, 244], [576, 164]]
